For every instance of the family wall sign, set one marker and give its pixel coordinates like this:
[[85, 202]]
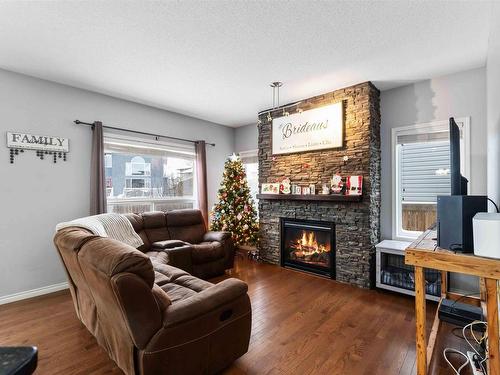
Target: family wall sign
[[44, 145]]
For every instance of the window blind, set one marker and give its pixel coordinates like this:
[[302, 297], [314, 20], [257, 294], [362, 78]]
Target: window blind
[[424, 171], [120, 144], [248, 157], [435, 136]]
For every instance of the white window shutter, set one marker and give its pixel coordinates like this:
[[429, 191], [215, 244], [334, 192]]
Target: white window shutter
[[425, 171]]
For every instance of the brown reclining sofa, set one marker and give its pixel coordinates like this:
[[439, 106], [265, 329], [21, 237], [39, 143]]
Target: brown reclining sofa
[[153, 318], [180, 239]]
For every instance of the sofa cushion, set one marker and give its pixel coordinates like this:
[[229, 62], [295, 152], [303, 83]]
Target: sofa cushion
[[177, 284], [111, 257], [176, 292], [155, 226], [160, 278], [171, 273], [207, 252], [183, 287], [136, 221], [193, 283], [186, 225], [161, 297], [138, 225], [159, 256]]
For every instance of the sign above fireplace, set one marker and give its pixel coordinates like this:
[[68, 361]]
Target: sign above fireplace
[[315, 129]]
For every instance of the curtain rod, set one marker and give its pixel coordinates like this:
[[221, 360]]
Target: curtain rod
[[78, 122]]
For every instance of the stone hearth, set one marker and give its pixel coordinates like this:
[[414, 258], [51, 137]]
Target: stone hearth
[[357, 223]]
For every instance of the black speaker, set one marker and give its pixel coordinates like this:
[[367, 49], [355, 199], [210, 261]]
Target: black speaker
[[454, 220]]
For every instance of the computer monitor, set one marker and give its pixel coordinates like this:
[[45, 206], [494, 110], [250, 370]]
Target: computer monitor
[[458, 182]]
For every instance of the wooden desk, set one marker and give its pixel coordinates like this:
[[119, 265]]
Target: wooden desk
[[424, 253]]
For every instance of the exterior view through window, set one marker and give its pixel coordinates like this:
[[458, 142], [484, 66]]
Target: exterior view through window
[[250, 162], [421, 173], [144, 177], [424, 174]]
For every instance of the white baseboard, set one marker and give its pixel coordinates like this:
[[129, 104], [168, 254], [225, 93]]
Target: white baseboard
[[33, 293]]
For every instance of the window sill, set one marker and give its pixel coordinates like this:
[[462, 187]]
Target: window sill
[[147, 199]]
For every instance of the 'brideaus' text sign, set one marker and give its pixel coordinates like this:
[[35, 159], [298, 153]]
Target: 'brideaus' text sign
[[315, 129], [37, 142]]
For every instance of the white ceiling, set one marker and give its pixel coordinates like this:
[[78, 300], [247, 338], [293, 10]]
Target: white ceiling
[[214, 60]]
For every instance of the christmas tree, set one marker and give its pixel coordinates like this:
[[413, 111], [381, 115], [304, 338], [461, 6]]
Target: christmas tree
[[235, 211]]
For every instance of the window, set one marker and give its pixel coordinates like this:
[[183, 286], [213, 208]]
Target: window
[[143, 176], [250, 162], [421, 172], [108, 161], [137, 167]]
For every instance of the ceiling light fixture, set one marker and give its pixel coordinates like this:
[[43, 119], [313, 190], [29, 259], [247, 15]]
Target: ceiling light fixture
[[276, 93]]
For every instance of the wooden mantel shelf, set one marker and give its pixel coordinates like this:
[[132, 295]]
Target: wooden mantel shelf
[[311, 197]]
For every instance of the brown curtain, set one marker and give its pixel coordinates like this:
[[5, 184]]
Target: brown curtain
[[97, 176], [201, 175]]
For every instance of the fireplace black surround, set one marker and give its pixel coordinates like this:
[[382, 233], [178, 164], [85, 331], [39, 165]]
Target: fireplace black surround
[[308, 245]]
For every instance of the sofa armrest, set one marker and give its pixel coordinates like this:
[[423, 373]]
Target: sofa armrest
[[202, 303], [216, 236], [167, 244], [180, 257]]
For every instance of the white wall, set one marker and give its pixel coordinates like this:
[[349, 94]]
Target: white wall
[[493, 105], [35, 195], [246, 138]]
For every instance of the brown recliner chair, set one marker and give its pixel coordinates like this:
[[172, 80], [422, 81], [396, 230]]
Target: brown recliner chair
[[180, 238], [150, 317]]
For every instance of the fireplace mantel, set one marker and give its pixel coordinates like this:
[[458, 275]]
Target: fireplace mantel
[[316, 198], [356, 218]]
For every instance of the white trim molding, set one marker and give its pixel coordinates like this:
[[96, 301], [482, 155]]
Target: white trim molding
[[248, 153], [33, 293]]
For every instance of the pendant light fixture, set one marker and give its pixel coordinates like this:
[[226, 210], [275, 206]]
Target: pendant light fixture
[[276, 93], [276, 104], [276, 98]]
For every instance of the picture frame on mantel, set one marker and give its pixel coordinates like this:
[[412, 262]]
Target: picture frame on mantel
[[311, 130]]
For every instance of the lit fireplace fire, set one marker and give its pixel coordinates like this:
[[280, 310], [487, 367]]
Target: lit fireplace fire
[[308, 245], [307, 248]]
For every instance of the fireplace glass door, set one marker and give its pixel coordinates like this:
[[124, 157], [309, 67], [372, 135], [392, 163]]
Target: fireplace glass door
[[308, 246]]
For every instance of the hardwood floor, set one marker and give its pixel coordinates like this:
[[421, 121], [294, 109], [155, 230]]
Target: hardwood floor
[[302, 324]]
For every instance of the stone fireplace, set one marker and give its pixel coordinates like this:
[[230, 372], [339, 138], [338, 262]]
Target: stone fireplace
[[356, 222]]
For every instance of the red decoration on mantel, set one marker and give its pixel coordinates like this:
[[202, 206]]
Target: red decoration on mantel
[[354, 185], [306, 165]]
